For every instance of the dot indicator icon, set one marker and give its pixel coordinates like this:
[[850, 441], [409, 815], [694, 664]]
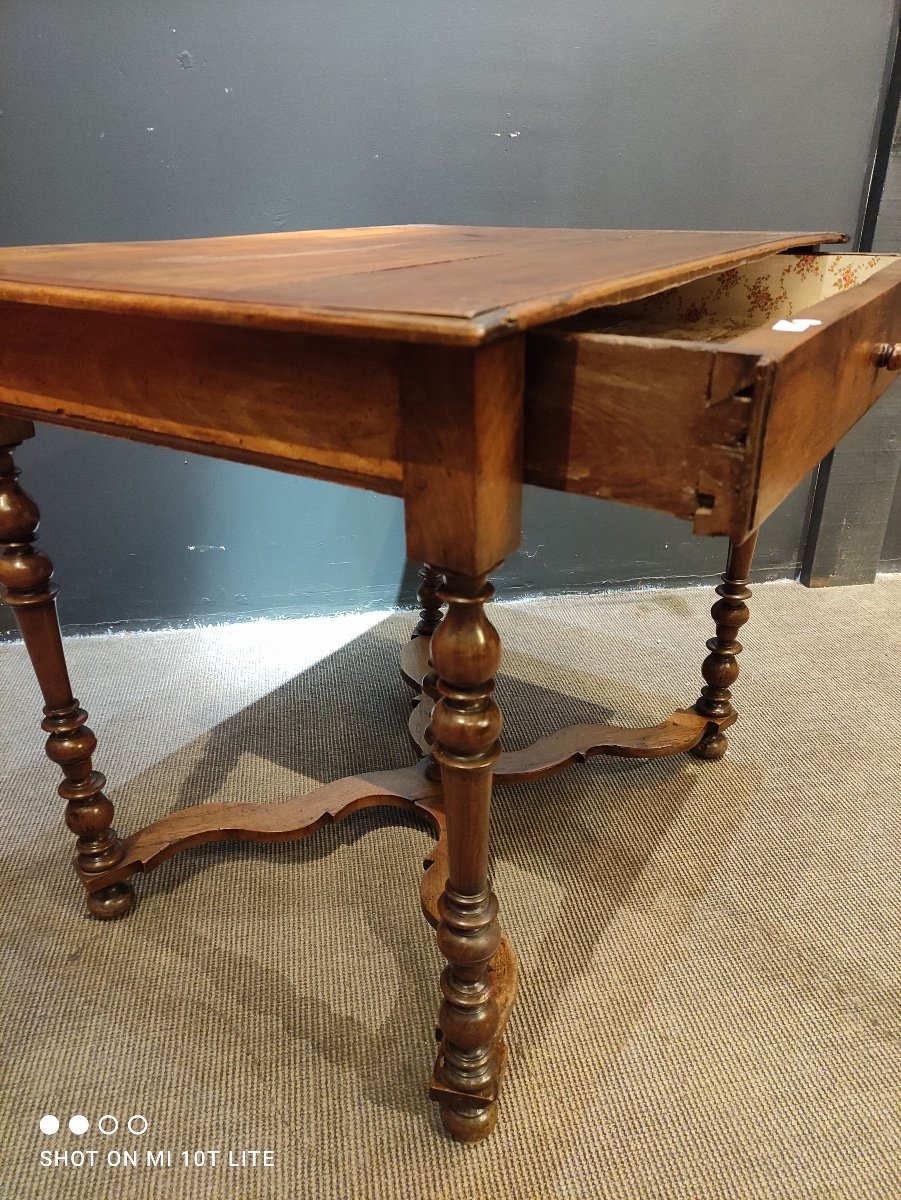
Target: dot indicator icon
[[49, 1124], [79, 1124]]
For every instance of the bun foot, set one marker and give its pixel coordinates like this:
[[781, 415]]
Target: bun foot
[[111, 902], [712, 747], [469, 1122]]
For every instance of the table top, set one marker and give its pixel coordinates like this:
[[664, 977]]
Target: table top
[[436, 283]]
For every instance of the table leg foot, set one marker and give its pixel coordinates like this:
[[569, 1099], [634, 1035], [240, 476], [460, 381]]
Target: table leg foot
[[111, 902], [712, 746], [468, 1122], [720, 667], [25, 585]]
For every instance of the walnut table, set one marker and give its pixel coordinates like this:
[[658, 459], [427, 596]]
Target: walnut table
[[699, 374]]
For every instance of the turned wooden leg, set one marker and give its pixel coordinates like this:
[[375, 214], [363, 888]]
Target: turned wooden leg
[[466, 724], [414, 659], [431, 612], [720, 667], [430, 617], [25, 586]]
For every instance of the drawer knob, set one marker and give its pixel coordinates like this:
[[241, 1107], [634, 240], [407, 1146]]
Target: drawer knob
[[890, 356]]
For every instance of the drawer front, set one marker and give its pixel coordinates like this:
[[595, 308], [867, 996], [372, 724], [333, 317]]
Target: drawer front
[[714, 431], [814, 384]]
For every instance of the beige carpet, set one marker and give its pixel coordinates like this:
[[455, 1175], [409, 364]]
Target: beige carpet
[[710, 952]]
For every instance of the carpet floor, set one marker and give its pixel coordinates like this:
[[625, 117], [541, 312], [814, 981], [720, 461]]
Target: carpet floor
[[709, 952]]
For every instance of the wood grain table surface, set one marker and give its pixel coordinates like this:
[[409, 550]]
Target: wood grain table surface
[[448, 284]]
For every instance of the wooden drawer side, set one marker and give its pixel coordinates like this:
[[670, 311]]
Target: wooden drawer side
[[648, 422]]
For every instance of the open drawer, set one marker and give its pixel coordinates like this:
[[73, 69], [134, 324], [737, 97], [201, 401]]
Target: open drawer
[[712, 400]]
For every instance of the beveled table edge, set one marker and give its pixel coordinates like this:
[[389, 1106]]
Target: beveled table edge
[[396, 325]]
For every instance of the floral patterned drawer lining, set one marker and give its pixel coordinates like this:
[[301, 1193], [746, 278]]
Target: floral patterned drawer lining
[[723, 306]]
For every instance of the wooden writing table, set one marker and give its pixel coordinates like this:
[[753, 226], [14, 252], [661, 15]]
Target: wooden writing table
[[699, 374]]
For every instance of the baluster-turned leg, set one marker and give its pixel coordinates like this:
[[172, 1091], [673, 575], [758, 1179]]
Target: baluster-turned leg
[[720, 667], [430, 617], [431, 612], [414, 659], [466, 725], [25, 586]]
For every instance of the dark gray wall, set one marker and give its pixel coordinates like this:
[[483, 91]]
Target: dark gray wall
[[888, 239], [891, 550], [165, 120]]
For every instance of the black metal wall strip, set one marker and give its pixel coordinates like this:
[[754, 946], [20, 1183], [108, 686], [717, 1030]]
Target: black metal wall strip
[[851, 499], [882, 150]]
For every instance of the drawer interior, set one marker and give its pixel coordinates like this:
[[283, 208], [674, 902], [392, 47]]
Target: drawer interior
[[720, 307]]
